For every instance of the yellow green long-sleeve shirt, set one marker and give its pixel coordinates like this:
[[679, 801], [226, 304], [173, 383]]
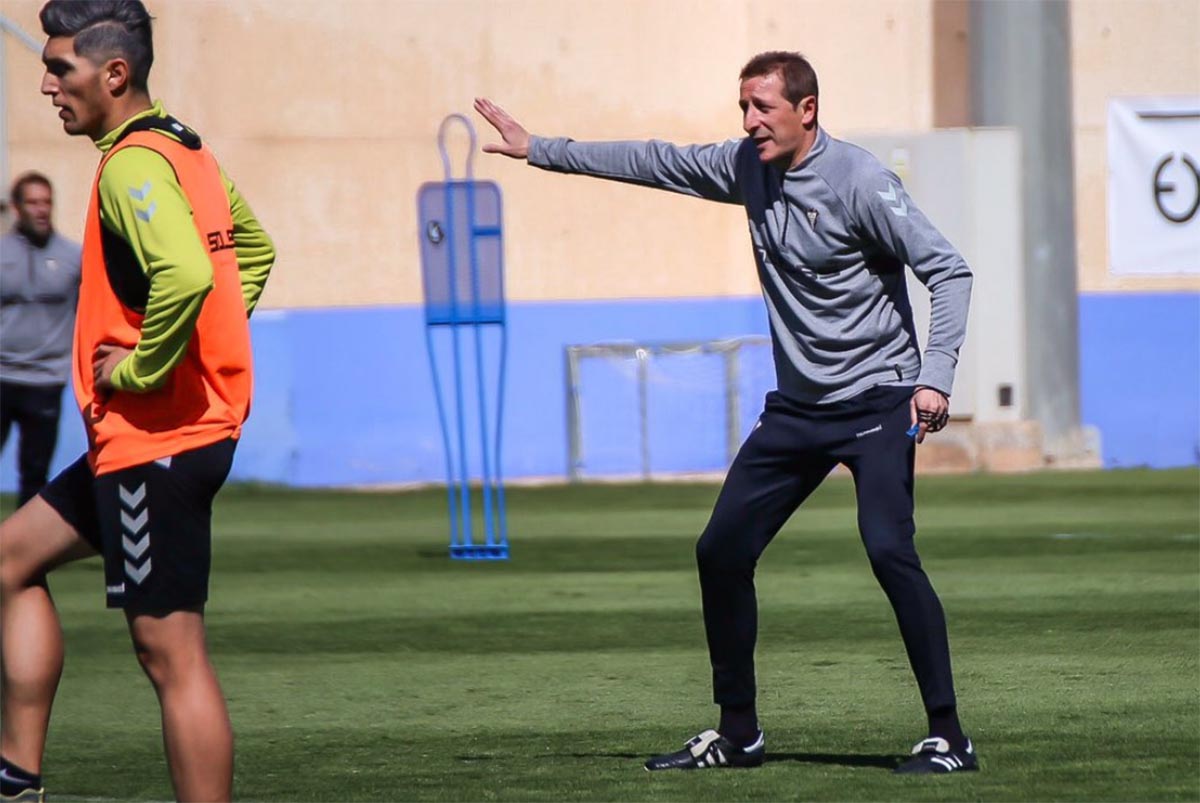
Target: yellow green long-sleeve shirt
[[141, 202]]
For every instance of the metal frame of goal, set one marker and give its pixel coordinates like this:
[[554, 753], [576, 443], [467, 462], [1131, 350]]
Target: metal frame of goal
[[643, 354]]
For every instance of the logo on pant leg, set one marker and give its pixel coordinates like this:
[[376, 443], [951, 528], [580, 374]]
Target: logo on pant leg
[[135, 535], [871, 431]]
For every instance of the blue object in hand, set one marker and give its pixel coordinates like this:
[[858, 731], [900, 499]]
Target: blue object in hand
[[913, 430]]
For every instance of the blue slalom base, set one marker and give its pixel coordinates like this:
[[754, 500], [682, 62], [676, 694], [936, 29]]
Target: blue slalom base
[[479, 551]]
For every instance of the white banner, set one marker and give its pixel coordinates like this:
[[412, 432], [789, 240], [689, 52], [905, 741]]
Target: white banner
[[1154, 185]]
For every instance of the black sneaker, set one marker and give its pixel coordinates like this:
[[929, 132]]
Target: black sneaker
[[935, 756], [711, 749]]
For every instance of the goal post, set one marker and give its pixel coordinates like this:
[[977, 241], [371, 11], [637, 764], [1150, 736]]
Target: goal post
[[662, 408]]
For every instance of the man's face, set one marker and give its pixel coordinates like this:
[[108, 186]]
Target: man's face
[[775, 125], [34, 208], [76, 87]]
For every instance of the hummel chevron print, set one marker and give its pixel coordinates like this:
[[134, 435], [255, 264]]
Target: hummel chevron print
[[135, 537], [901, 208], [139, 194]]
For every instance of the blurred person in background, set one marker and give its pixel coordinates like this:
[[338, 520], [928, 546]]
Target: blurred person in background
[[174, 262], [39, 287], [832, 231]]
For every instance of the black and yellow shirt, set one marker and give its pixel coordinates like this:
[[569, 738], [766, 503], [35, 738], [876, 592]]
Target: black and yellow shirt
[[142, 202]]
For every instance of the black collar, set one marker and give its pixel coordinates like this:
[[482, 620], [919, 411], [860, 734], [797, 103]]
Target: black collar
[[167, 125]]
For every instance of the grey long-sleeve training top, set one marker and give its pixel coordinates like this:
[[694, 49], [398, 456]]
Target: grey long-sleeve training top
[[39, 288], [831, 238]]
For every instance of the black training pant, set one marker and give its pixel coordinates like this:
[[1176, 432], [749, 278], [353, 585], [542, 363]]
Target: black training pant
[[35, 410], [791, 450]]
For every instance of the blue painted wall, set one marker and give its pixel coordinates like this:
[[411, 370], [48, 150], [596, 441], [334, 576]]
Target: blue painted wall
[[1139, 374], [344, 396]]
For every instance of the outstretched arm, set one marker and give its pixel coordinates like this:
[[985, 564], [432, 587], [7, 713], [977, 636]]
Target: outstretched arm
[[702, 171]]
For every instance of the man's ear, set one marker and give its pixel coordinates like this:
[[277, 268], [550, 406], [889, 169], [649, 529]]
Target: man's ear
[[808, 110], [117, 76]]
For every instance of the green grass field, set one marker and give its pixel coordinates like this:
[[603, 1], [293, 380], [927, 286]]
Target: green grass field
[[362, 664]]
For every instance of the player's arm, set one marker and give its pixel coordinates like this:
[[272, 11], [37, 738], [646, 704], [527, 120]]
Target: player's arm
[[703, 171], [886, 213], [141, 201], [253, 247]]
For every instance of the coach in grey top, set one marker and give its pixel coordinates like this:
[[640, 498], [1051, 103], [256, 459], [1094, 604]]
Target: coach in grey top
[[832, 231], [39, 288], [831, 237]]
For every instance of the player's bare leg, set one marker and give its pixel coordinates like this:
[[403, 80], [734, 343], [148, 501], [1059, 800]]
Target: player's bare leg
[[33, 541], [196, 731]]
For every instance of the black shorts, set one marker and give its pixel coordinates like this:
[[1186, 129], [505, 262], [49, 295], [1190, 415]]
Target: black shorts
[[151, 522]]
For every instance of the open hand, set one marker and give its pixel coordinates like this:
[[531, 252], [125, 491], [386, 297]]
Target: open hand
[[104, 361], [930, 411], [516, 138]]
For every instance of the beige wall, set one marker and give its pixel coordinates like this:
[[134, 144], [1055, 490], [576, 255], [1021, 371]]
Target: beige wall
[[325, 114], [1123, 47]]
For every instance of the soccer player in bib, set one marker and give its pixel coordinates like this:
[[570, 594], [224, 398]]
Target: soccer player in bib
[[832, 231], [174, 262]]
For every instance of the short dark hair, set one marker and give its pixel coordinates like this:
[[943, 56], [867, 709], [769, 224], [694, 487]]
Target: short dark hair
[[799, 77], [105, 29], [24, 180]]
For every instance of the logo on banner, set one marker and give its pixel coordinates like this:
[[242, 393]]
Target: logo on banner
[[1165, 189], [1154, 186]]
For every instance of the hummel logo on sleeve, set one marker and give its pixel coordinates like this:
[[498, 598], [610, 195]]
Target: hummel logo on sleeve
[[139, 194], [892, 197]]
